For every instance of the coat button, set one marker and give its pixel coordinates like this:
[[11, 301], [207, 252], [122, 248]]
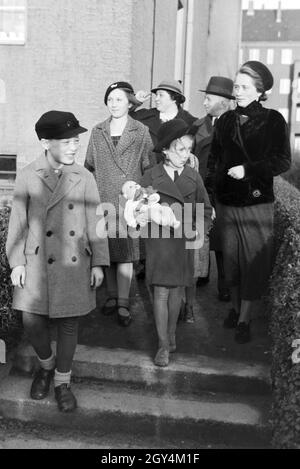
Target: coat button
[[71, 206], [74, 259], [49, 233], [72, 233], [50, 261]]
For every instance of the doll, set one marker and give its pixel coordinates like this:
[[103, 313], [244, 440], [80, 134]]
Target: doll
[[141, 201]]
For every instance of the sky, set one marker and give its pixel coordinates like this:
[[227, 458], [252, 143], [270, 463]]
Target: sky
[[273, 4]]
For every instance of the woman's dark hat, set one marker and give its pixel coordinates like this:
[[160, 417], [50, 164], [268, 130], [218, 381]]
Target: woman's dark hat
[[170, 85], [172, 130], [122, 85], [262, 71], [220, 86], [57, 125]]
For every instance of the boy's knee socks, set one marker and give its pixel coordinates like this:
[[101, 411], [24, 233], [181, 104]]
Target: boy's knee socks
[[47, 364], [61, 378]]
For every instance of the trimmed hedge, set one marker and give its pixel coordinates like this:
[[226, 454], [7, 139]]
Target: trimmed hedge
[[284, 305], [293, 174], [10, 320]]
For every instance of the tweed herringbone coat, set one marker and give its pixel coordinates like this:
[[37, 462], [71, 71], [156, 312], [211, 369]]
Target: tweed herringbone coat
[[52, 231], [112, 166]]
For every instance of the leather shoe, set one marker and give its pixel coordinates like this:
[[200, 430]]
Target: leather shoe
[[189, 314], [41, 384], [124, 321], [242, 333], [111, 309], [162, 357], [202, 281], [224, 296], [65, 399], [232, 319]]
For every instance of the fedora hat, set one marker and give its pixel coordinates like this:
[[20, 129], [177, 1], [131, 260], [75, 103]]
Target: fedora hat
[[262, 71], [170, 85], [171, 130], [58, 125], [220, 86]]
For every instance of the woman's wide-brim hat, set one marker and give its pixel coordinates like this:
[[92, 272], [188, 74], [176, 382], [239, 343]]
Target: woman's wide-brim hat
[[170, 85], [220, 86], [262, 71], [172, 130]]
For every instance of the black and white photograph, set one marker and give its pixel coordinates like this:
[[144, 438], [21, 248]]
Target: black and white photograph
[[149, 228]]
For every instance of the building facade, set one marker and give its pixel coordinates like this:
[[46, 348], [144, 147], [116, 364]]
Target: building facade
[[273, 37], [62, 54]]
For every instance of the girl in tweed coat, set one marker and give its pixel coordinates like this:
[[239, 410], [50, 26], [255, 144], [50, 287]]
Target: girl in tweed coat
[[118, 151]]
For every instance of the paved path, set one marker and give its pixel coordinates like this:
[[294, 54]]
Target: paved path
[[206, 336]]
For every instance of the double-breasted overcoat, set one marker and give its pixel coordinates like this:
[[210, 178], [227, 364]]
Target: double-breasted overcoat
[[52, 231], [112, 167], [168, 261]]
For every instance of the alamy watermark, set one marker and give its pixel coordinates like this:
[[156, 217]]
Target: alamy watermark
[[296, 352], [190, 215]]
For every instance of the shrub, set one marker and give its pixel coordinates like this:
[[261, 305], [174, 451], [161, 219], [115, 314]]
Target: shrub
[[284, 304], [10, 320], [293, 174]]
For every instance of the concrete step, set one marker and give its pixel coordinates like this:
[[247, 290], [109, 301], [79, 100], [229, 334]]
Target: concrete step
[[185, 375], [238, 421], [16, 434]]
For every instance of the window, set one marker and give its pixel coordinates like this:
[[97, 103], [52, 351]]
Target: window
[[285, 86], [12, 21], [297, 142], [298, 113], [287, 56], [8, 168], [254, 54], [270, 56], [285, 112]]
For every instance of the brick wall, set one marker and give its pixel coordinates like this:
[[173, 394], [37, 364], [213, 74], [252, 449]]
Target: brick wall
[[74, 50]]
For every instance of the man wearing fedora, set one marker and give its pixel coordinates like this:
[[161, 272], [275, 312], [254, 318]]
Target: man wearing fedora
[[54, 251], [218, 99]]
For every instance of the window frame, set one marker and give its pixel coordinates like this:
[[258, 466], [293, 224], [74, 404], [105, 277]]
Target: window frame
[[270, 56], [283, 85], [11, 41], [254, 53], [283, 58], [8, 181]]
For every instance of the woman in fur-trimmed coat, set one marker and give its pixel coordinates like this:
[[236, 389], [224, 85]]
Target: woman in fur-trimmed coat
[[250, 147]]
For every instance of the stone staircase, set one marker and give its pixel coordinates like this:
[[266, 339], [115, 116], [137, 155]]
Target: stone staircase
[[198, 401]]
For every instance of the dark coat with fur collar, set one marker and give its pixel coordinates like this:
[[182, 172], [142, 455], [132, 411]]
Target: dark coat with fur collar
[[266, 153]]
